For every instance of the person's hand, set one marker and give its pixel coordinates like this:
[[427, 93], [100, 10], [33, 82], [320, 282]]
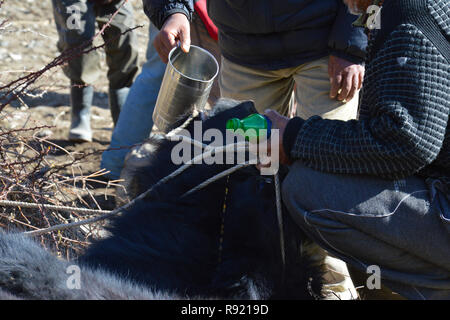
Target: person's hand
[[175, 28], [346, 78], [279, 123]]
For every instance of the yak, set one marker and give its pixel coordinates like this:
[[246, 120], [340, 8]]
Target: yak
[[220, 242]]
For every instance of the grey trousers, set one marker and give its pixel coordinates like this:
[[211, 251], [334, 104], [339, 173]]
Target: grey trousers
[[402, 227], [75, 22]]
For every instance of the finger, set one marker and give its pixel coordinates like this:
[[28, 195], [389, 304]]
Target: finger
[[261, 166], [185, 38], [262, 151], [165, 52], [346, 87], [335, 85], [355, 81], [160, 49], [264, 156], [169, 42], [361, 78], [272, 114]]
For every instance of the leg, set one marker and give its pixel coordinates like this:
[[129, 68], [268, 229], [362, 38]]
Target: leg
[[366, 221], [268, 89], [135, 122], [75, 23], [312, 94], [121, 52]]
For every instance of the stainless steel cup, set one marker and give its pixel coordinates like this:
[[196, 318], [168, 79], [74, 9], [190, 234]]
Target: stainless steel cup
[[186, 85]]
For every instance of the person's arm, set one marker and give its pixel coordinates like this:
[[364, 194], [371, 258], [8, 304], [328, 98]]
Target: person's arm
[[159, 10], [346, 41], [172, 17], [407, 126], [347, 46]]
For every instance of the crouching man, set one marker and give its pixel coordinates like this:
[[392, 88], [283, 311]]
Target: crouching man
[[376, 191]]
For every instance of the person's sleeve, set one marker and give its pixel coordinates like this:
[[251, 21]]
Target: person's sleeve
[[290, 133], [159, 10], [345, 40], [407, 125]]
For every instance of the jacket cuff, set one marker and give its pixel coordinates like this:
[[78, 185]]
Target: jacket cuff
[[348, 57], [159, 16], [290, 134], [346, 41], [172, 11]]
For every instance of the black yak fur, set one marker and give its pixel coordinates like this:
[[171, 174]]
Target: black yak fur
[[167, 246]]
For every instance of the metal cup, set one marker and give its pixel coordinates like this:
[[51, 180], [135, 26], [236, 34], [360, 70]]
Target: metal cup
[[186, 85]]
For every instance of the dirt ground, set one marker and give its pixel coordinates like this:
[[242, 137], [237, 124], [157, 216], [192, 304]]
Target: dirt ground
[[28, 43]]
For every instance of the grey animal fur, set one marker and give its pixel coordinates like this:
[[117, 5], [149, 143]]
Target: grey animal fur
[[27, 271]]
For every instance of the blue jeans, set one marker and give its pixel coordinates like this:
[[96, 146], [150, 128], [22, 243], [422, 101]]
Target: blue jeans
[[135, 121], [402, 227]]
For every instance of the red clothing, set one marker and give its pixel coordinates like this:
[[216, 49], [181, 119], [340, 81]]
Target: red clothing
[[200, 8]]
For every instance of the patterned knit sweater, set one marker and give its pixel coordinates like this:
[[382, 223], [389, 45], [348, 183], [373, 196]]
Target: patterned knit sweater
[[402, 128]]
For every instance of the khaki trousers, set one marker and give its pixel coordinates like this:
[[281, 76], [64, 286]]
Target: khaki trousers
[[273, 89]]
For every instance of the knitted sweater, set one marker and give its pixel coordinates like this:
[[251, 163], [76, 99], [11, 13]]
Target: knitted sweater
[[402, 128]]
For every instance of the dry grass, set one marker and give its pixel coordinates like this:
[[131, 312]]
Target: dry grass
[[34, 169], [29, 174]]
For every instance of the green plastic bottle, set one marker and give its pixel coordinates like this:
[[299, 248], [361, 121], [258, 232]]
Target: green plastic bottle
[[251, 126]]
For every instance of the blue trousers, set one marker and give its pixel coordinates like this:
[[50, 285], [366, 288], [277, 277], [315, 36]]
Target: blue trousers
[[135, 121], [402, 227]]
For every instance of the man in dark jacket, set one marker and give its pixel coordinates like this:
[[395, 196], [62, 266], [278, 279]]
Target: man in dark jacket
[[376, 191], [269, 46]]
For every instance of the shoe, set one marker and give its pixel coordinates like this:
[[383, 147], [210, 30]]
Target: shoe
[[338, 285], [117, 99], [81, 102]]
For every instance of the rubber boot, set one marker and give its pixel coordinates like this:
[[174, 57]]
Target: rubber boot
[[117, 99], [81, 102]]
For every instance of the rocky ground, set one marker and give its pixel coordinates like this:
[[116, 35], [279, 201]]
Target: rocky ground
[[28, 40], [28, 43]]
